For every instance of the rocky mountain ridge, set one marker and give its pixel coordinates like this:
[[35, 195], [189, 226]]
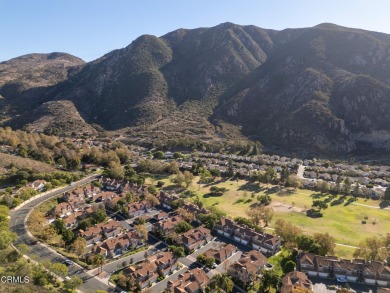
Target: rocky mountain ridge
[[324, 89]]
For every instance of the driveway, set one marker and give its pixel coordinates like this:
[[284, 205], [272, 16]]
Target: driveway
[[358, 287]]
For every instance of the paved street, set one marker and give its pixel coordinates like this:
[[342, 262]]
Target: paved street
[[116, 265], [39, 251]]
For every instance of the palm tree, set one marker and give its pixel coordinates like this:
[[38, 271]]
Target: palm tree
[[222, 281], [99, 261]]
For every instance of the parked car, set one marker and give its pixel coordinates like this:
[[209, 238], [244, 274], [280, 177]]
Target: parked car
[[68, 262], [341, 280], [215, 265]]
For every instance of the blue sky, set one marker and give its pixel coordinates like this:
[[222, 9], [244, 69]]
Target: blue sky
[[89, 29]]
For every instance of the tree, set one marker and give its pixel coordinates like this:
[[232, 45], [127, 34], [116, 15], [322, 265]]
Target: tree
[[284, 174], [307, 244], [198, 202], [215, 172], [323, 186], [319, 204], [23, 248], [325, 242], [222, 281], [173, 167], [386, 196], [153, 200], [152, 189], [356, 189], [67, 235], [79, 247], [183, 227], [177, 251], [373, 248], [99, 213], [73, 283], [287, 231], [59, 269], [73, 163], [188, 177], [47, 233], [201, 258], [338, 184], [189, 217], [270, 174], [205, 175], [98, 261], [289, 266], [210, 261], [210, 219], [260, 213], [178, 179], [230, 169], [347, 186], [270, 279], [178, 155], [114, 170], [6, 238], [293, 181], [159, 155], [142, 232], [59, 226]]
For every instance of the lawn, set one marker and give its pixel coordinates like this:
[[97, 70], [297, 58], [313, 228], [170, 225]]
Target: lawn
[[343, 221]]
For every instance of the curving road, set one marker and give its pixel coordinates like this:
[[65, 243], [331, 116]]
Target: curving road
[[40, 251]]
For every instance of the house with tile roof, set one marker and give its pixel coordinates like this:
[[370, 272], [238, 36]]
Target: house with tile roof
[[101, 231], [249, 267], [117, 245], [192, 281], [166, 200], [296, 282], [355, 270], [167, 226], [137, 209], [222, 253], [264, 242], [147, 272], [195, 238]]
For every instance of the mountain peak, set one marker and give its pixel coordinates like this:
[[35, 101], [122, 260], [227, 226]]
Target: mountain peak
[[295, 88]]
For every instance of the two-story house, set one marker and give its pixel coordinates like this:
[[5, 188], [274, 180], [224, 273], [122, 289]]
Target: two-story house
[[195, 238]]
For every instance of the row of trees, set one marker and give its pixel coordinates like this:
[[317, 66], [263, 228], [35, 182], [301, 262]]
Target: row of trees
[[62, 151], [374, 248], [319, 243]]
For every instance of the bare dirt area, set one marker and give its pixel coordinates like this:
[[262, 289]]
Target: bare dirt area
[[285, 208]]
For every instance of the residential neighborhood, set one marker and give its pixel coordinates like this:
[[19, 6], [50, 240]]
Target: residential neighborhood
[[236, 249]]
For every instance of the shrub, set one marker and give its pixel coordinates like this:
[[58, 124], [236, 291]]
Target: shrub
[[314, 213]]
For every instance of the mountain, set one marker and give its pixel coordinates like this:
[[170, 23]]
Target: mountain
[[320, 90], [25, 80]]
